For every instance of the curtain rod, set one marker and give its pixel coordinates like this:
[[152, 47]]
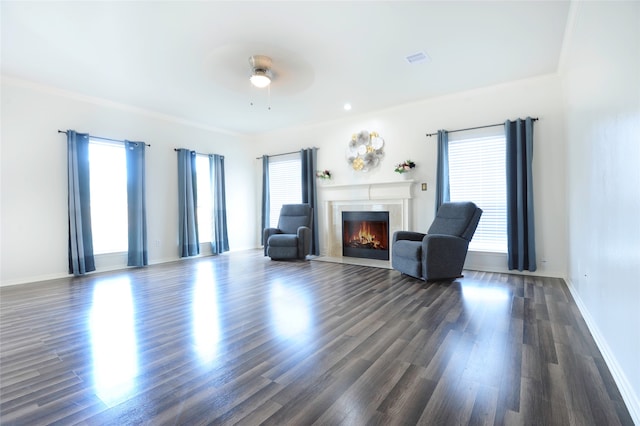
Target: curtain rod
[[278, 155], [197, 153], [104, 139], [474, 128]]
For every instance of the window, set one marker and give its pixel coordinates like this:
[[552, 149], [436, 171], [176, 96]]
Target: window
[[285, 184], [204, 207], [108, 176], [477, 173]]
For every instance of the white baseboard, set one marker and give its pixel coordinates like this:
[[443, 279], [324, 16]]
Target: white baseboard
[[33, 279], [102, 267], [497, 262], [631, 400]]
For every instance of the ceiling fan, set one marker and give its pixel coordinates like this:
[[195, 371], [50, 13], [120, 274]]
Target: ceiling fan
[[261, 74], [288, 70]]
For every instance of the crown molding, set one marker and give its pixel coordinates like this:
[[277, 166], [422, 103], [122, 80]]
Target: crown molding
[[106, 103]]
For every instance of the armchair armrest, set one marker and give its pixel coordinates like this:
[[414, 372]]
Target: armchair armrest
[[304, 241], [407, 235], [266, 234]]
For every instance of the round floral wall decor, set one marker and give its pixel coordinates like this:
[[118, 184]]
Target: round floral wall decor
[[365, 150]]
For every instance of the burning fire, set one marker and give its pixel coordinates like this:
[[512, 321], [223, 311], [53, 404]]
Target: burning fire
[[365, 237]]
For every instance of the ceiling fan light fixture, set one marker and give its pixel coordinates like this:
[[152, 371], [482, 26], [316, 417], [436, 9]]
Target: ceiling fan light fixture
[[261, 74], [261, 77]]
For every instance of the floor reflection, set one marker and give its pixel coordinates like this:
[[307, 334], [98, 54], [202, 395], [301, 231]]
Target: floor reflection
[[206, 318], [477, 294], [290, 312], [113, 340], [486, 311]]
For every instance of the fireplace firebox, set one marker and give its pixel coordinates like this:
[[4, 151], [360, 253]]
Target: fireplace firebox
[[365, 234]]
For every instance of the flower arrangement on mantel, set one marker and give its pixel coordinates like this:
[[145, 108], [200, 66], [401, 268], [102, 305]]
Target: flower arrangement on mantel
[[404, 167], [323, 174]]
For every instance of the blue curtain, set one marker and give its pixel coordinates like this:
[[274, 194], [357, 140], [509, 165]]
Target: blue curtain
[[219, 239], [521, 245], [81, 258], [265, 196], [189, 244], [309, 193], [136, 204], [442, 177]]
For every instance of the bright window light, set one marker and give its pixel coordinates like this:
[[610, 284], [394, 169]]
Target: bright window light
[[108, 175], [205, 206]]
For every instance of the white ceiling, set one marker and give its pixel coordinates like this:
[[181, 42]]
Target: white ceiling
[[189, 60]]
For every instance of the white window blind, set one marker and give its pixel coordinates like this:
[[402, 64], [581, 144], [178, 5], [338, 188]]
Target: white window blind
[[477, 173], [285, 184]]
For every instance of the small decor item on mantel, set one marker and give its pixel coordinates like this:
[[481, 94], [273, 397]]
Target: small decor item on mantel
[[365, 150], [404, 167], [323, 174]]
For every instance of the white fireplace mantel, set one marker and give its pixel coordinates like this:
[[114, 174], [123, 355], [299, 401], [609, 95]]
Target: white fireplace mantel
[[393, 197], [367, 191]]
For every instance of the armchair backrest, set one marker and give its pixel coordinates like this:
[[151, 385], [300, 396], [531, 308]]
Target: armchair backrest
[[293, 216], [457, 218]]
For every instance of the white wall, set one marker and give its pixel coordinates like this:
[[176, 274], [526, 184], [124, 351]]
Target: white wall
[[33, 170], [601, 81], [404, 129]]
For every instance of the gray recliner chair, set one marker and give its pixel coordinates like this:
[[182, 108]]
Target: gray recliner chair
[[440, 253], [292, 238]]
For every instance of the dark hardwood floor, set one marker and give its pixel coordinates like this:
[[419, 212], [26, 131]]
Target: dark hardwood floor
[[239, 338]]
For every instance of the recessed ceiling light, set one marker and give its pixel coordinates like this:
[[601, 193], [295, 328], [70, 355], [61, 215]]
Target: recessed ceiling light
[[347, 107]]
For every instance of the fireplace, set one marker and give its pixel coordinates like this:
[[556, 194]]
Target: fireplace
[[365, 234]]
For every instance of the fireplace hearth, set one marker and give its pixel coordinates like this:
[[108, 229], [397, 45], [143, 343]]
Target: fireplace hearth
[[365, 234]]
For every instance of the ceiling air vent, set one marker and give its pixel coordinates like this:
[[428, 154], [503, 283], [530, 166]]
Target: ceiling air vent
[[417, 58]]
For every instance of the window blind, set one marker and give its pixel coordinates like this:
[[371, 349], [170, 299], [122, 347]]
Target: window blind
[[477, 173], [285, 183]]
